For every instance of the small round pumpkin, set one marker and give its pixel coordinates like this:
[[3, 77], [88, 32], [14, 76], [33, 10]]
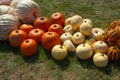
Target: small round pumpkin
[[113, 53], [56, 28], [57, 18], [36, 34], [16, 37], [42, 23], [28, 47], [50, 39], [26, 27]]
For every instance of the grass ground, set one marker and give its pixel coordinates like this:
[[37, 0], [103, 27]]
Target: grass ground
[[13, 66]]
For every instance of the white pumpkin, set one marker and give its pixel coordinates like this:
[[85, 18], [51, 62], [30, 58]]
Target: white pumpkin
[[15, 2], [69, 29], [59, 52], [84, 51], [4, 9], [78, 38], [5, 2], [69, 45], [7, 24], [96, 32], [100, 46], [86, 29], [87, 21], [66, 36], [26, 11], [75, 21], [100, 60]]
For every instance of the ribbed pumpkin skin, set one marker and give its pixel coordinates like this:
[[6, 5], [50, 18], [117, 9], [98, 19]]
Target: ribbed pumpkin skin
[[113, 35], [102, 37], [5, 2], [4, 9], [26, 11], [7, 24], [113, 53], [114, 24]]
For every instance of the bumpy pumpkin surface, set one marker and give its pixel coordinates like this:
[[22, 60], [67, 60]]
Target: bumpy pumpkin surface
[[113, 53]]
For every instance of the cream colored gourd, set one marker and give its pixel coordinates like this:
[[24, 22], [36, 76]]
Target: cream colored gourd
[[78, 38], [86, 29], [69, 29], [59, 52], [5, 2], [7, 24], [100, 60], [87, 21], [26, 10], [66, 36], [100, 46], [96, 32], [4, 9], [69, 45], [84, 51], [75, 21]]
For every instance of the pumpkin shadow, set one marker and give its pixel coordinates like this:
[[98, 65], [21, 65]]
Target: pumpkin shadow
[[7, 48], [62, 64], [86, 63], [48, 54], [31, 59]]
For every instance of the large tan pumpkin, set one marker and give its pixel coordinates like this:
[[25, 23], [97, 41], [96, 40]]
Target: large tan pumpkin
[[26, 10], [4, 9], [5, 2], [7, 24]]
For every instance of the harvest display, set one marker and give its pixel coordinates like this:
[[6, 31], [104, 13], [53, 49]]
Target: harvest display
[[57, 34]]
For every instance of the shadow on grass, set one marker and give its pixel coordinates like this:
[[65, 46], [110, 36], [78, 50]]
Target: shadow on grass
[[86, 63], [32, 59], [5, 47], [62, 64]]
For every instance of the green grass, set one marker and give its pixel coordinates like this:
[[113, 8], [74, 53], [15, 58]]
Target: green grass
[[13, 66]]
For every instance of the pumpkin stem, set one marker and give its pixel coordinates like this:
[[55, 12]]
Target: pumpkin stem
[[41, 18], [101, 42], [83, 44], [55, 25], [16, 30], [36, 30], [27, 41]]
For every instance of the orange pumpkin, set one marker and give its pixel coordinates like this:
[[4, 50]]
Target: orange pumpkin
[[57, 18], [16, 37], [113, 53], [26, 27], [50, 39], [36, 34], [28, 47], [42, 23], [56, 28]]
